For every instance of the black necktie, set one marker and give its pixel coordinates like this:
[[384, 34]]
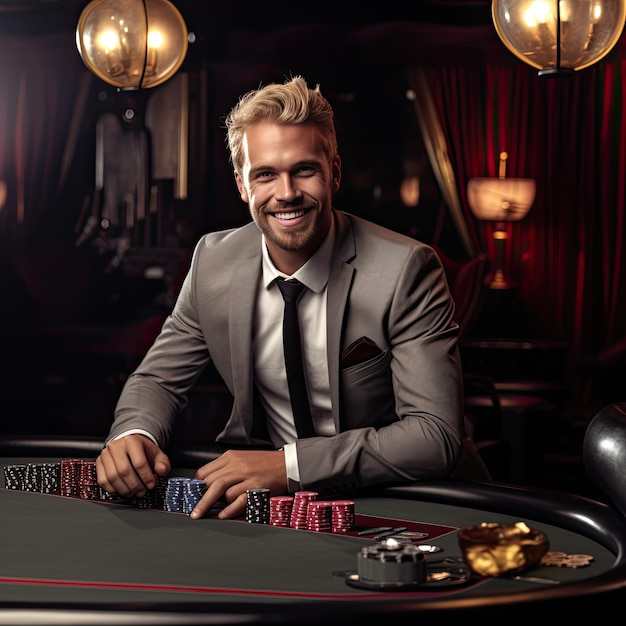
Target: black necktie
[[291, 289]]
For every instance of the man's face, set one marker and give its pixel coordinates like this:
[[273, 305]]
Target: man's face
[[288, 184]]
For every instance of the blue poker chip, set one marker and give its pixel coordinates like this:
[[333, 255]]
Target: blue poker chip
[[183, 493]]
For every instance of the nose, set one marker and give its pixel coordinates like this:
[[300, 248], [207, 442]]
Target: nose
[[285, 188]]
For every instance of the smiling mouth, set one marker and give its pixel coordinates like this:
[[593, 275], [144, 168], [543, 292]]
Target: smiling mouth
[[290, 215]]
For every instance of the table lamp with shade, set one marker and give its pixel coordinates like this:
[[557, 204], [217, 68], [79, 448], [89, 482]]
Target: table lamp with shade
[[500, 200]]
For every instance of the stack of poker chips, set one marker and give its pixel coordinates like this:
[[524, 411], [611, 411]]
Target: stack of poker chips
[[319, 516], [69, 481], [154, 498], [343, 516], [183, 493], [300, 511], [280, 510], [88, 488], [77, 479], [257, 506], [38, 477], [14, 477], [74, 478], [300, 508]]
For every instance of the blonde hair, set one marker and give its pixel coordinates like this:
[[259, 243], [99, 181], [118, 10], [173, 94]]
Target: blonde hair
[[292, 102]]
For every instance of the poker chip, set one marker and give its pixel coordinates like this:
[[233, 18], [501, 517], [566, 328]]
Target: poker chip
[[182, 494], [193, 491], [69, 478], [280, 510], [319, 516], [36, 477], [343, 516], [154, 498], [14, 476], [49, 477], [258, 506], [300, 507], [32, 477], [88, 488], [174, 492]]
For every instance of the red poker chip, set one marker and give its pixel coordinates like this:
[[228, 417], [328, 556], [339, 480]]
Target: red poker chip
[[301, 501]]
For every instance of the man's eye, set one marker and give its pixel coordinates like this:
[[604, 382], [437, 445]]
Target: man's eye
[[305, 170]]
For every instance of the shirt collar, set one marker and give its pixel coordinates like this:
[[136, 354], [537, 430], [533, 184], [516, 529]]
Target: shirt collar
[[314, 273]]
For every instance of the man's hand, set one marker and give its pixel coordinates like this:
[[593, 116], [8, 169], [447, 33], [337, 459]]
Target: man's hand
[[236, 471], [127, 466]]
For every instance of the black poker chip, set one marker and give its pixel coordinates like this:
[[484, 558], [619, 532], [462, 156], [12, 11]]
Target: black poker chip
[[257, 506]]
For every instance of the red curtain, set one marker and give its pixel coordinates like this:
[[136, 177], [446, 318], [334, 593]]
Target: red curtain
[[569, 134], [43, 86]]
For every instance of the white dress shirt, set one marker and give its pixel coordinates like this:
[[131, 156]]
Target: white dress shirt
[[267, 350]]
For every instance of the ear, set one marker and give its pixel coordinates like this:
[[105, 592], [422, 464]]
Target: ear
[[336, 173], [242, 188]]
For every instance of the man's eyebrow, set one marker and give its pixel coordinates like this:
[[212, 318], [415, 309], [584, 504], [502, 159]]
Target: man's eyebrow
[[316, 163]]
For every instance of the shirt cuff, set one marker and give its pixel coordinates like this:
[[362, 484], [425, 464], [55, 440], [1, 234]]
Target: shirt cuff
[[134, 431], [293, 472]]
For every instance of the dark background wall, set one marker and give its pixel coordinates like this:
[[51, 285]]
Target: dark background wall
[[83, 300]]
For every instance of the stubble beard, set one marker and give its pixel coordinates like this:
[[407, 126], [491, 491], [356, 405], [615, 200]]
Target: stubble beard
[[290, 242]]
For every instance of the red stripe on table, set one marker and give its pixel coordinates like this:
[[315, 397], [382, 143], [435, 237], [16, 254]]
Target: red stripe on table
[[186, 589]]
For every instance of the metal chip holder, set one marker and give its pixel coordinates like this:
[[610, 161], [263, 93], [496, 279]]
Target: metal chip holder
[[392, 562]]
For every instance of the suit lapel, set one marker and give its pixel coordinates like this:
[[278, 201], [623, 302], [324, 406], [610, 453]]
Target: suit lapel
[[245, 277], [339, 281]]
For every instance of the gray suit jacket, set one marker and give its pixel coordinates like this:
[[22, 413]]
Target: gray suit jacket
[[399, 414]]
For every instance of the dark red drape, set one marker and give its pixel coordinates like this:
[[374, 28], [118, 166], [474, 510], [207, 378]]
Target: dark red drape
[[567, 255]]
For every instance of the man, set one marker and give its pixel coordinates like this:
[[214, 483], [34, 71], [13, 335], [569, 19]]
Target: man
[[380, 343]]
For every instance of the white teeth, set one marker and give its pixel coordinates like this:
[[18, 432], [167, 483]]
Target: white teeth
[[289, 216]]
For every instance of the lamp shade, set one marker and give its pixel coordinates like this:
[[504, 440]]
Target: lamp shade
[[559, 36], [500, 199], [132, 44]]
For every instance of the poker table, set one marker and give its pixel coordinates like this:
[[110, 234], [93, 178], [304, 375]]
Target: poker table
[[68, 560]]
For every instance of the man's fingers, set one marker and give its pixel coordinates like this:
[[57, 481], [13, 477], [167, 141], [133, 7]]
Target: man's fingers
[[211, 496], [110, 478], [127, 466], [102, 474], [161, 463]]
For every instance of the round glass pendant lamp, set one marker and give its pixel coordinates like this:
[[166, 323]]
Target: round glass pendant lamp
[[559, 37], [132, 44]]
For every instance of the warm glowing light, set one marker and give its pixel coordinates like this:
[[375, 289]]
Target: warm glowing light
[[3, 193], [410, 191], [132, 44], [500, 200], [109, 40], [559, 37], [155, 39]]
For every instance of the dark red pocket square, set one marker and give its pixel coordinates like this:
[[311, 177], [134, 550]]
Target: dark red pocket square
[[359, 351]]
